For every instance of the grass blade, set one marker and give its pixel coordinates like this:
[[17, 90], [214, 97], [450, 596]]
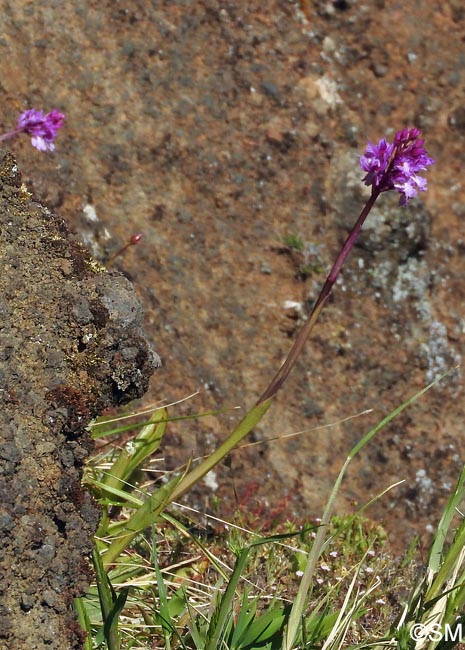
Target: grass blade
[[84, 622], [224, 609], [435, 556], [306, 582], [109, 631], [163, 615]]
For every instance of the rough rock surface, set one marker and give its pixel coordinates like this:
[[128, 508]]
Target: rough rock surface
[[70, 345], [218, 127]]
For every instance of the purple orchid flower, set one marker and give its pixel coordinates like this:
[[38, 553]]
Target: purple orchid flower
[[396, 166], [43, 128]]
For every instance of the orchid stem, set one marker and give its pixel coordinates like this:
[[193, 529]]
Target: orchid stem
[[10, 134], [291, 359], [253, 417], [134, 239]]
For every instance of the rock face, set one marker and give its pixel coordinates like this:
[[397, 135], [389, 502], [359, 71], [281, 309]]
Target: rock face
[[70, 345], [221, 129]]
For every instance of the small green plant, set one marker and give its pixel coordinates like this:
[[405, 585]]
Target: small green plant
[[304, 255], [294, 241]]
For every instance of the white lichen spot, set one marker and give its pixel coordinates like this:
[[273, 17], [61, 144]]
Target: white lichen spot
[[423, 481], [329, 45], [210, 481], [90, 212], [408, 283], [328, 91], [440, 356], [293, 305]]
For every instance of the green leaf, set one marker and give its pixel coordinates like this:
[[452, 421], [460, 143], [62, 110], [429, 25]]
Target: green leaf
[[244, 427], [163, 617], [137, 451], [223, 612], [125, 499], [436, 552], [84, 621], [265, 627], [318, 626], [110, 605], [143, 518], [112, 619], [97, 433]]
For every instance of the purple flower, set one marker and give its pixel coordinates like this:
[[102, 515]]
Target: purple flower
[[43, 128], [375, 161], [396, 166]]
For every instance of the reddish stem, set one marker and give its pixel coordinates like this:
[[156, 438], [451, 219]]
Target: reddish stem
[[133, 240], [283, 373], [10, 134]]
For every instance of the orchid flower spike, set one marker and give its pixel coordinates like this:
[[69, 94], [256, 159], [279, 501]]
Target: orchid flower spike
[[43, 128], [396, 166]]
